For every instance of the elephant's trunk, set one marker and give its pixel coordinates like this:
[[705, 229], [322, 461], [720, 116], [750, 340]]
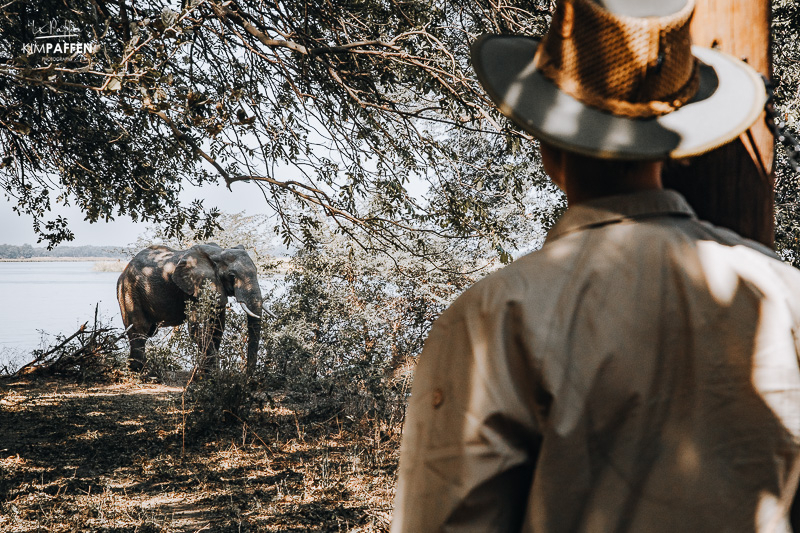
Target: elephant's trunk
[[253, 337], [249, 297]]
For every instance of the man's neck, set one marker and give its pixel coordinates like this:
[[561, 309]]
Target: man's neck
[[581, 186], [585, 178], [577, 194]]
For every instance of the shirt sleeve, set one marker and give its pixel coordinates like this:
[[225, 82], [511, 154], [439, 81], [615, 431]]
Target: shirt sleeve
[[471, 435]]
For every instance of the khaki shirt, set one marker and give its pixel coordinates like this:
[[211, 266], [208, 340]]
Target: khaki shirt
[[638, 373]]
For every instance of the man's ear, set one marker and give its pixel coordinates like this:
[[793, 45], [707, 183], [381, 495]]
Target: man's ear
[[554, 162]]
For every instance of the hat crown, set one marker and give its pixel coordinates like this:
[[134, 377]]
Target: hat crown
[[636, 66]]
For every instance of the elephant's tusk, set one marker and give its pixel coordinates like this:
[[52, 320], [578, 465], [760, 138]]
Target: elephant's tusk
[[248, 311], [270, 314]]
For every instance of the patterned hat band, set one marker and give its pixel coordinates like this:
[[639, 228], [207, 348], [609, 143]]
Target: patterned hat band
[[628, 66]]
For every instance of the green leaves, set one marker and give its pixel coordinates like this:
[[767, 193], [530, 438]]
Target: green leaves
[[331, 108]]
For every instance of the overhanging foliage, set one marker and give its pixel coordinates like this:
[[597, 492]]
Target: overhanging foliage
[[350, 108]]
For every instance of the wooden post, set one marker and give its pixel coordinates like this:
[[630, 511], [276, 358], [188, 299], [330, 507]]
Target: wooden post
[[733, 185]]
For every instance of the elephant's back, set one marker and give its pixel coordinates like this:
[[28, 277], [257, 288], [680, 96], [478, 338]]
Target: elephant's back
[[150, 266], [145, 286]]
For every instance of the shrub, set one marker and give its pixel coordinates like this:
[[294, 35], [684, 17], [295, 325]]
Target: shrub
[[216, 392], [349, 326]]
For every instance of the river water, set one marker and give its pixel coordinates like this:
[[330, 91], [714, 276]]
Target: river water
[[40, 300]]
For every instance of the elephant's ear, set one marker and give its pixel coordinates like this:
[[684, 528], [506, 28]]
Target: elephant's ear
[[193, 270]]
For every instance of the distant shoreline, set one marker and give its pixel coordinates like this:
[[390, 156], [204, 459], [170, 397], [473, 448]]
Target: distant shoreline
[[62, 259]]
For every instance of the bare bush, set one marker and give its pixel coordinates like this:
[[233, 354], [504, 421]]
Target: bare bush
[[349, 326], [90, 354]]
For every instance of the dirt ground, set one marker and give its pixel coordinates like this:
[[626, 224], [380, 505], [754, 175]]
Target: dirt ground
[[114, 458]]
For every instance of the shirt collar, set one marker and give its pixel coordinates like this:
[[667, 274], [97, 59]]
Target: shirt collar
[[614, 209]]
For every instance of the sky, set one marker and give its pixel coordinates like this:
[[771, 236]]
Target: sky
[[18, 230]]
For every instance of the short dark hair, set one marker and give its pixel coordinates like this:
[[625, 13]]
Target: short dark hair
[[588, 170]]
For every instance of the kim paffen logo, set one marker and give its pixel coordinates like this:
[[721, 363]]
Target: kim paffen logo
[[52, 39]]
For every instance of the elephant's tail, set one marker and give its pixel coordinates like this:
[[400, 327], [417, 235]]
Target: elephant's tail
[[124, 308]]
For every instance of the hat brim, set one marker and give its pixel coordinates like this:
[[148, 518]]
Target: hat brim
[[730, 98]]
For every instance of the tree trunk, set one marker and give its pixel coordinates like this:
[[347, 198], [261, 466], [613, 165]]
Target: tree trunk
[[733, 185]]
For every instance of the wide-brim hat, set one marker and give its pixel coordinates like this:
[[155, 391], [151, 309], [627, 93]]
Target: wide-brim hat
[[620, 79]]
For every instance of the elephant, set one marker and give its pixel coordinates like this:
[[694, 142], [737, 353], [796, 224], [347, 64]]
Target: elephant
[[154, 287]]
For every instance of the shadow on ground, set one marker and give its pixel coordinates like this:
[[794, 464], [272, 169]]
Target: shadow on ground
[[113, 458]]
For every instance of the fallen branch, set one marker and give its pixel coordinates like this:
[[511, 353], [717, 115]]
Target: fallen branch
[[41, 357], [88, 352]]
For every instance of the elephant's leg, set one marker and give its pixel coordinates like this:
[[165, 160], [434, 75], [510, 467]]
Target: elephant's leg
[[136, 359], [212, 348], [202, 335], [196, 334]]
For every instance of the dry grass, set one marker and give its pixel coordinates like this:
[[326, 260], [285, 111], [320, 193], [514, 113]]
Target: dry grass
[[111, 458], [110, 265]]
